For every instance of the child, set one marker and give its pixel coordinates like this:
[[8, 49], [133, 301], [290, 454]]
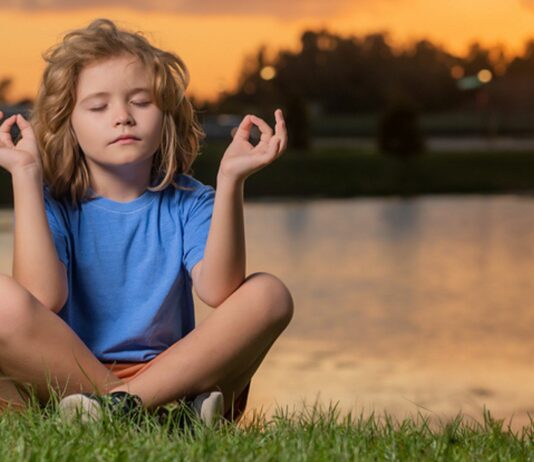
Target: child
[[111, 233]]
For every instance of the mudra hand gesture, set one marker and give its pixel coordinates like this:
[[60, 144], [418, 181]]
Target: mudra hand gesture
[[24, 154], [241, 159]]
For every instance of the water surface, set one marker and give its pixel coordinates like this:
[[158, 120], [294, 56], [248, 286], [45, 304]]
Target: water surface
[[400, 304]]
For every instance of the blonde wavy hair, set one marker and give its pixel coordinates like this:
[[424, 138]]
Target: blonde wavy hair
[[65, 170]]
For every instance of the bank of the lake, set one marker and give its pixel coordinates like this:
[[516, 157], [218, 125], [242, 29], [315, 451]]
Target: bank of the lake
[[355, 172], [349, 172]]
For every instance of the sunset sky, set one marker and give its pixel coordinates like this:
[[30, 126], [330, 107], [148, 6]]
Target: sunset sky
[[214, 36]]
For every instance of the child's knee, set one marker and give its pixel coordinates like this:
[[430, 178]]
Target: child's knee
[[278, 303]]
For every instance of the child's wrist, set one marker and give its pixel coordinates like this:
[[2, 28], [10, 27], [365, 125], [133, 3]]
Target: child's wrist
[[223, 178], [33, 171]]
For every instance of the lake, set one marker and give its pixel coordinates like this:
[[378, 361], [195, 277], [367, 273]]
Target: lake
[[405, 305]]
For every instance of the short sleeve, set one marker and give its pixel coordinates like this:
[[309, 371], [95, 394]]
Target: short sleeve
[[197, 226], [58, 232]]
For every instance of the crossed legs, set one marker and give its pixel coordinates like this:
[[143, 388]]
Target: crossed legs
[[39, 349], [223, 352]]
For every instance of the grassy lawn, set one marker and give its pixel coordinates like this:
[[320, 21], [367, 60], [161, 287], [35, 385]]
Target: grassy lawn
[[311, 435]]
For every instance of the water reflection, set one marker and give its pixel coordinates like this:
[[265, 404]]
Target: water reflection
[[296, 226], [393, 266], [403, 301]]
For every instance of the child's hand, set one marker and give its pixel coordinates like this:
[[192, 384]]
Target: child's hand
[[241, 159], [25, 153]]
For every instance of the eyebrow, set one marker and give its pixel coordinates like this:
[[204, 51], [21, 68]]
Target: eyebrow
[[103, 93]]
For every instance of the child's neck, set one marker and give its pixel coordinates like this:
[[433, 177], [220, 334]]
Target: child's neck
[[120, 188]]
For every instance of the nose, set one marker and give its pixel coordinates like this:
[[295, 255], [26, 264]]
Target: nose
[[123, 116]]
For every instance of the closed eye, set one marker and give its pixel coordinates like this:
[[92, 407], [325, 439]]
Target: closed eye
[[137, 103]]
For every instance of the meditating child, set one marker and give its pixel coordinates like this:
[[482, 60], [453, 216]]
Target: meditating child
[[112, 233]]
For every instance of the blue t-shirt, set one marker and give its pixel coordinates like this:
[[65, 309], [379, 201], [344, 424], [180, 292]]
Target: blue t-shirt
[[129, 267]]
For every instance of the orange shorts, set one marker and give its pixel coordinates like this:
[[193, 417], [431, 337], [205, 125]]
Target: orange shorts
[[127, 371]]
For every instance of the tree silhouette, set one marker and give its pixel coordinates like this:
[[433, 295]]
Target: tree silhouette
[[399, 134], [350, 75]]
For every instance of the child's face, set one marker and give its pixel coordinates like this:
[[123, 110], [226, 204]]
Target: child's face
[[118, 109]]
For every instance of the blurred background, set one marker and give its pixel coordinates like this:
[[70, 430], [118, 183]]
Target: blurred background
[[401, 216]]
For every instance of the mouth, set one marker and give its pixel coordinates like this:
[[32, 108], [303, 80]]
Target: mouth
[[125, 139]]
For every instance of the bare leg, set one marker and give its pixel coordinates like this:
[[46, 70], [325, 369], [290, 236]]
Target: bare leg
[[38, 348], [224, 351], [11, 395], [238, 384]]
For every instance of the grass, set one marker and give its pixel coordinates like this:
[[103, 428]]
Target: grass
[[312, 434]]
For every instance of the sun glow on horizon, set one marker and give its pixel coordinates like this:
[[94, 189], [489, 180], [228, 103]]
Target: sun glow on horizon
[[214, 47]]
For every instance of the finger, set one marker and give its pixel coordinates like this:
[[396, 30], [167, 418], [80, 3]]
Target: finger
[[266, 134], [5, 131], [6, 124], [272, 150], [25, 127], [280, 148], [6, 141], [280, 129], [283, 142], [277, 141], [243, 130], [265, 130], [22, 122], [279, 117]]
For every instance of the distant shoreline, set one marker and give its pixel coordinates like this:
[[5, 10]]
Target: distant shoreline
[[343, 172]]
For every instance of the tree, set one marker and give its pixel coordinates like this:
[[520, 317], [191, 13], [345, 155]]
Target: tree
[[399, 134]]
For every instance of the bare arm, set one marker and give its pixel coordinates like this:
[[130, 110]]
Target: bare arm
[[35, 262], [222, 269]]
